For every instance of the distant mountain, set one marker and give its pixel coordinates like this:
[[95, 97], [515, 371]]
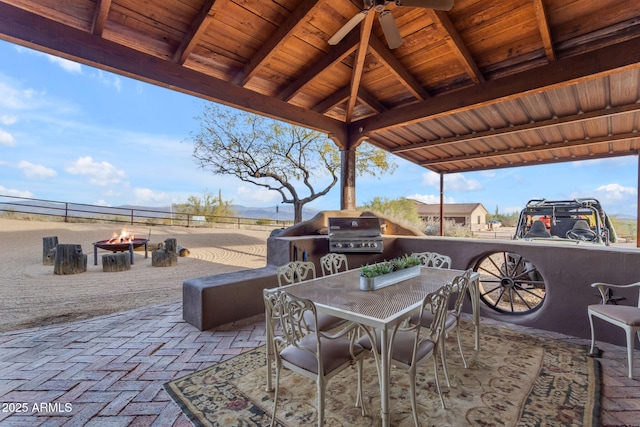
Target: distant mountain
[[623, 216]]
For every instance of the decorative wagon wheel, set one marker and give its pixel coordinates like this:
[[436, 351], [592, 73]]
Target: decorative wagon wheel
[[509, 283]]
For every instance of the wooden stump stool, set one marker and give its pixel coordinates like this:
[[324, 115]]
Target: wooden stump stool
[[167, 256], [120, 261], [69, 259], [49, 249]]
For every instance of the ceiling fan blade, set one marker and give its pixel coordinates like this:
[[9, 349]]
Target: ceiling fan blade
[[390, 29], [346, 28], [427, 4]]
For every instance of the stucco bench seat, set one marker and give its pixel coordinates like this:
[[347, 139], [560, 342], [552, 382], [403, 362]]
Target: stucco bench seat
[[211, 301]]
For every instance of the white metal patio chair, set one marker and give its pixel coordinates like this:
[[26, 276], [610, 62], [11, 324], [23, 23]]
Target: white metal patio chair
[[459, 287], [412, 345], [313, 354], [298, 271], [625, 316]]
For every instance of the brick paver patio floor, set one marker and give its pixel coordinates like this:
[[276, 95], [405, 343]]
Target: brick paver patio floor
[[110, 370]]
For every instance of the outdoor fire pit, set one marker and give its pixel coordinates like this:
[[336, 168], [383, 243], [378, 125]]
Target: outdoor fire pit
[[120, 243]]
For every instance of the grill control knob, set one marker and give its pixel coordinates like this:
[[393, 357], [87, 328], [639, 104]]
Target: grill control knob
[[373, 244], [338, 245], [349, 245]]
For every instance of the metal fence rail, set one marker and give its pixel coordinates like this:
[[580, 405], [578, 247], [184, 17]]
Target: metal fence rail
[[13, 206]]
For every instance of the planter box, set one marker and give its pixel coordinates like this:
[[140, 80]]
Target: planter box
[[373, 283]]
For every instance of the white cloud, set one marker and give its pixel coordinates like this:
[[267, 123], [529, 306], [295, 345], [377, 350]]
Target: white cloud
[[108, 79], [616, 191], [258, 195], [454, 182], [13, 98], [8, 120], [33, 171], [99, 173], [65, 64], [15, 193], [614, 198], [147, 197], [6, 138], [430, 198]]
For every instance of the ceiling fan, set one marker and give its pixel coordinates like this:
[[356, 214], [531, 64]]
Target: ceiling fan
[[388, 24]]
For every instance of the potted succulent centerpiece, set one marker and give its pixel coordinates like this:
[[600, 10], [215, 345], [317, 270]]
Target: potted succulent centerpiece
[[390, 272]]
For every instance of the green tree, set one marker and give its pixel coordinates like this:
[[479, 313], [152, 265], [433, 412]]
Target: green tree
[[278, 156], [208, 206], [402, 210]]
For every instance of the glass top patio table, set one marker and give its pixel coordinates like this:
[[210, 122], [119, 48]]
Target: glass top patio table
[[382, 309]]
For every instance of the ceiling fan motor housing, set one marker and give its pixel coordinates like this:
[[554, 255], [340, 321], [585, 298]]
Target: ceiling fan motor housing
[[378, 5]]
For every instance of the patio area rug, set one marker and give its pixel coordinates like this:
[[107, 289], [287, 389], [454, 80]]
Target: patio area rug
[[514, 380]]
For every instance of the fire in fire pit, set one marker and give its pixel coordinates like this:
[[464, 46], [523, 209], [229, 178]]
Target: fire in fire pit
[[120, 243], [123, 237]]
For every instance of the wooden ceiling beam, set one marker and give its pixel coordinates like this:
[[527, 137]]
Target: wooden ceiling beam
[[16, 26], [337, 54], [384, 55], [358, 66], [545, 32], [100, 17], [581, 67], [457, 45], [196, 30], [370, 101], [532, 149], [282, 34], [332, 101], [512, 164], [509, 130]]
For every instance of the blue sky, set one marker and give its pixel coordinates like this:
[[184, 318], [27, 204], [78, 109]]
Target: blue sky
[[69, 132]]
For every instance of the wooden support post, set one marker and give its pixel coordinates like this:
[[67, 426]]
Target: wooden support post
[[120, 261], [69, 259], [49, 249]]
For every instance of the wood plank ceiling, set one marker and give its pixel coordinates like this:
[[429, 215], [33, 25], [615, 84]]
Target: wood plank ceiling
[[487, 84]]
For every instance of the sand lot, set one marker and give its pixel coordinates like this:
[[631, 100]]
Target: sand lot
[[32, 295]]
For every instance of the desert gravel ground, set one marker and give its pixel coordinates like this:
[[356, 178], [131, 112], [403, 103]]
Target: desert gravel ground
[[32, 295]]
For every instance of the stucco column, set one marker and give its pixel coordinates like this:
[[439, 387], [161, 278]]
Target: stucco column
[[348, 179]]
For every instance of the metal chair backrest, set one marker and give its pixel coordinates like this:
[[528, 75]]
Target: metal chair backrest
[[296, 271], [438, 304], [295, 313], [333, 263], [460, 284], [273, 306], [433, 259]]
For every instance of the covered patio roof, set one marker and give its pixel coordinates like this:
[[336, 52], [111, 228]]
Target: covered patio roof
[[486, 84]]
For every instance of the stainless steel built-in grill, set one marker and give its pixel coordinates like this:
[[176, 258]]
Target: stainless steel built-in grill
[[360, 234]]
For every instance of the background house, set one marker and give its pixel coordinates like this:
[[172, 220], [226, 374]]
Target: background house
[[472, 215]]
